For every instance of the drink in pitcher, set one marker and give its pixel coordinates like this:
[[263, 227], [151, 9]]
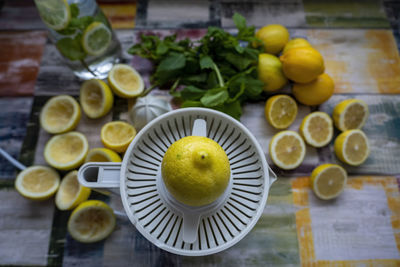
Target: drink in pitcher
[[82, 34]]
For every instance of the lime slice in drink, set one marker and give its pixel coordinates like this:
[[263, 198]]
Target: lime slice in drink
[[54, 13], [96, 38]]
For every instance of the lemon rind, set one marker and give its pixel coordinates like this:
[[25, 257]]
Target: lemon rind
[[101, 151]]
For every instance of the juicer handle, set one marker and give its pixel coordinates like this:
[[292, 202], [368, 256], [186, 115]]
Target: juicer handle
[[100, 174]]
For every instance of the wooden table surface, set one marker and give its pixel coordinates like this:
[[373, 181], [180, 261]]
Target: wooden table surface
[[359, 41]]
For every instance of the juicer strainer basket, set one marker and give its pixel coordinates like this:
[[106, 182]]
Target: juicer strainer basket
[[164, 221]]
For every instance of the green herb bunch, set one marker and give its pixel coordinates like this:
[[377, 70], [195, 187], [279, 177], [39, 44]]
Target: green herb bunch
[[219, 71]]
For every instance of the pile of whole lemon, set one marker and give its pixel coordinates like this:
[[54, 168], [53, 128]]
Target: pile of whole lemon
[[302, 64], [299, 62]]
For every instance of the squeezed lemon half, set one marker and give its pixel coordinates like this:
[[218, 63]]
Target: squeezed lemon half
[[91, 221], [66, 151], [117, 135], [60, 114], [125, 81], [37, 182], [96, 98], [71, 193]]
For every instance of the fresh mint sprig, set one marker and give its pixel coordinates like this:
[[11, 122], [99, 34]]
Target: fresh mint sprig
[[219, 71]]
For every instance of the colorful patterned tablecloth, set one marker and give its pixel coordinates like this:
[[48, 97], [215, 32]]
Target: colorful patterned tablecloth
[[359, 41]]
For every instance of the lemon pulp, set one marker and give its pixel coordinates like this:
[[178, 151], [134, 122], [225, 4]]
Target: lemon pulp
[[91, 221], [66, 149], [37, 182]]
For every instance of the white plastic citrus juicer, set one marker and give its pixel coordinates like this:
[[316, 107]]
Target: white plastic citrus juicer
[[168, 223]]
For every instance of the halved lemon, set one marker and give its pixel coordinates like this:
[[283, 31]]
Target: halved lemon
[[96, 98], [280, 111], [287, 150], [117, 135], [91, 221], [350, 114], [71, 193], [55, 14], [37, 182], [125, 81], [60, 114], [352, 147], [317, 129], [328, 181], [96, 38], [102, 155], [66, 151]]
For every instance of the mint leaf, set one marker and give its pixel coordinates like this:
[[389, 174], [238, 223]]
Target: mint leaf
[[206, 62], [67, 31], [192, 93], [214, 97], [74, 9], [254, 88], [170, 67], [239, 21], [161, 49], [190, 103], [174, 61], [233, 109], [81, 23], [237, 60], [71, 49]]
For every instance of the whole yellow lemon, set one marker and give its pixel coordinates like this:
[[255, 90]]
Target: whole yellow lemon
[[270, 72], [195, 170], [302, 64], [315, 92], [296, 43], [274, 38]]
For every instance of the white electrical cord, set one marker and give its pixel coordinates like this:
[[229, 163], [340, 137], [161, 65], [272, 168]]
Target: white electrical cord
[[13, 161]]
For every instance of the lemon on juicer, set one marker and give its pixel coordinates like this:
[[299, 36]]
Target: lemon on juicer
[[195, 170]]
